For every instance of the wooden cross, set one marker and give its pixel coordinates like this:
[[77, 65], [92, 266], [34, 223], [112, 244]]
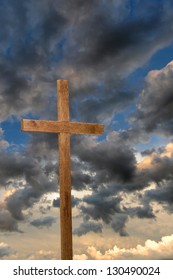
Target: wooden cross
[[64, 128]]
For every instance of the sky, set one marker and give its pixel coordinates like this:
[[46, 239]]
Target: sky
[[118, 59]]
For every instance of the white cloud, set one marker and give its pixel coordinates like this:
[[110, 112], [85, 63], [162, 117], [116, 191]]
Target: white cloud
[[80, 257], [43, 255], [162, 249]]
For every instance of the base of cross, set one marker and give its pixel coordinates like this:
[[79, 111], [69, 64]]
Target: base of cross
[[64, 128]]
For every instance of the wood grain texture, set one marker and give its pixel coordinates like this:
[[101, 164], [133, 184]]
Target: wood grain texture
[[63, 100], [61, 126], [65, 173], [65, 196]]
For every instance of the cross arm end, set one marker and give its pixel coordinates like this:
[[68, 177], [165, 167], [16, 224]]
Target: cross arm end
[[22, 125]]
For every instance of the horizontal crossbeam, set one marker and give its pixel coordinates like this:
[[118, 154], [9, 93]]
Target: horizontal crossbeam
[[61, 126]]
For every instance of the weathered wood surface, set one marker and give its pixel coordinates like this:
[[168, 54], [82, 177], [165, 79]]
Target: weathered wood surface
[[61, 126], [64, 128], [65, 174]]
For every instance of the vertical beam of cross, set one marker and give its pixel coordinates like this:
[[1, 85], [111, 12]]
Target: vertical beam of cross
[[64, 173], [64, 128]]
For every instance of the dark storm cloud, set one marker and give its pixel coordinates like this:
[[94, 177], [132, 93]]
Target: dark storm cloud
[[101, 37], [162, 194], [161, 170], [117, 43], [43, 146], [25, 51], [105, 182], [25, 198], [22, 200], [156, 102], [86, 227], [113, 40], [35, 184], [19, 166], [14, 165], [107, 158], [92, 163], [7, 222], [101, 205], [80, 180], [74, 200], [107, 48], [46, 40], [134, 135], [113, 99], [111, 168], [145, 211], [43, 222], [56, 202], [119, 222], [105, 203], [148, 152]]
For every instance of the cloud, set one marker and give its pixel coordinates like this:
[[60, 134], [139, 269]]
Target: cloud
[[3, 143], [26, 197], [109, 45], [54, 45], [158, 165], [80, 257], [156, 100], [86, 227], [163, 194], [42, 255], [14, 166], [5, 250], [145, 211], [43, 222], [24, 61], [150, 181], [28, 180], [7, 222], [108, 182], [43, 209], [74, 201], [114, 39], [119, 222], [162, 249], [100, 169], [101, 205], [107, 158]]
